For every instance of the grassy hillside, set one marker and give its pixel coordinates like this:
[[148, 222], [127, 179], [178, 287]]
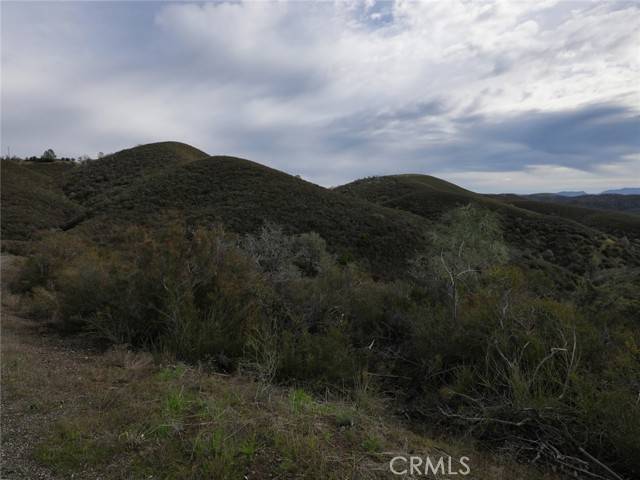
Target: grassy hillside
[[244, 195], [613, 222], [56, 171], [433, 195], [375, 219], [32, 199], [620, 203], [541, 241], [145, 183], [529, 353], [126, 167]]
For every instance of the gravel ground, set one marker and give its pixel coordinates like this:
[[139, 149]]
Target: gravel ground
[[21, 425]]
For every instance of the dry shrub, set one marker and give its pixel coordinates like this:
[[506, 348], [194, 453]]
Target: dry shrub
[[39, 304], [122, 356]]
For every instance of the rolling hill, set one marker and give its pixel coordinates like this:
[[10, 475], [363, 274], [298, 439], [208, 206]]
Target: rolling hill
[[628, 203], [243, 195], [381, 221], [553, 243], [121, 169], [610, 221], [207, 300], [32, 199]]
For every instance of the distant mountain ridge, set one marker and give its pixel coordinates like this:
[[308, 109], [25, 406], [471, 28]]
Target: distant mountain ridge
[[624, 203], [622, 191], [572, 194], [582, 193]]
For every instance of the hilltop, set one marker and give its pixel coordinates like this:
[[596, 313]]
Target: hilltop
[[380, 221], [143, 184], [121, 169], [565, 243], [443, 306]]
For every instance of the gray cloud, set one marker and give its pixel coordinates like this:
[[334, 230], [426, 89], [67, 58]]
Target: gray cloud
[[586, 131], [336, 91], [581, 138]]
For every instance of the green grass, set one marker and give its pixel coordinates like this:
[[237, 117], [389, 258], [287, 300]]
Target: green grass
[[121, 430], [70, 447]]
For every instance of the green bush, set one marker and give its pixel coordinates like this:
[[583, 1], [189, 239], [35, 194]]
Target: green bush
[[192, 293], [514, 365], [34, 273]]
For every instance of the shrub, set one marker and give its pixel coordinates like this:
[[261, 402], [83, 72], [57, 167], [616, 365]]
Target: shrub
[[514, 372], [86, 288], [514, 365], [38, 304], [34, 273]]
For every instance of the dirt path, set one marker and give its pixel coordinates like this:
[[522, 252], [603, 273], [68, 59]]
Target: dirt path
[[31, 361], [20, 425], [117, 415]]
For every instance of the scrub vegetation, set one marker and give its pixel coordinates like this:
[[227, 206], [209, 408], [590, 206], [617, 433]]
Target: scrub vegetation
[[392, 308]]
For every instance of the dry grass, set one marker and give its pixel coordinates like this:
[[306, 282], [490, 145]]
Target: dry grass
[[72, 412], [120, 415]]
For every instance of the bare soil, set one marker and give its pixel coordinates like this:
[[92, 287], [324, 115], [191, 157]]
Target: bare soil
[[29, 349]]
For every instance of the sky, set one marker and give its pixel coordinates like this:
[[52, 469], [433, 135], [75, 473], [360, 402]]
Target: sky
[[496, 96]]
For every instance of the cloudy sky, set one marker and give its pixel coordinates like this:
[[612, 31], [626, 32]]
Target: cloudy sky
[[495, 96]]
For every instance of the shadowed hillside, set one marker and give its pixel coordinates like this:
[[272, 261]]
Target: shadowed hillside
[[491, 319], [243, 195], [55, 171], [121, 169], [608, 221], [381, 221], [540, 241], [32, 199], [628, 203]]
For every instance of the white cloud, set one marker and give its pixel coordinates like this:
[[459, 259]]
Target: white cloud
[[330, 91], [550, 178]]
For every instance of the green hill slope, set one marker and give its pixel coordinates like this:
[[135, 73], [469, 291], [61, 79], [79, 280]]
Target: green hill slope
[[55, 171], [613, 222], [244, 195], [32, 199], [382, 220], [429, 196], [560, 245], [123, 168], [629, 203]]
